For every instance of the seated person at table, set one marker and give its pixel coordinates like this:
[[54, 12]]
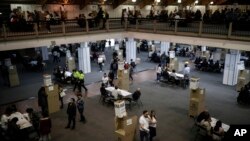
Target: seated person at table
[[204, 65], [206, 123], [218, 130], [216, 66], [203, 115], [135, 96], [165, 73], [105, 79], [174, 76], [104, 93]]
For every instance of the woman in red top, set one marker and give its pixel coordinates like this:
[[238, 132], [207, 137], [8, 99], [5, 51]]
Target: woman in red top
[[45, 127]]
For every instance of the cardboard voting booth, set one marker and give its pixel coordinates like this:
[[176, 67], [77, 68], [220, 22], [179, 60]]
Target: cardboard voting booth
[[123, 79], [13, 76], [125, 128], [120, 109], [53, 98], [194, 83], [171, 54], [196, 102]]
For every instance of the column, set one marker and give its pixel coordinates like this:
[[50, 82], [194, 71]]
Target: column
[[231, 68], [45, 53], [165, 47], [130, 50], [84, 57], [217, 55]]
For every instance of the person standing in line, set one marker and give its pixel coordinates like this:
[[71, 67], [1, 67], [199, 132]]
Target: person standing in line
[[158, 73], [42, 100], [131, 72], [71, 111], [144, 126], [60, 94], [81, 83], [45, 127], [152, 125], [111, 78], [80, 107]]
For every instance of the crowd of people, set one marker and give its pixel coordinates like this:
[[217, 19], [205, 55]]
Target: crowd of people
[[204, 65], [19, 22]]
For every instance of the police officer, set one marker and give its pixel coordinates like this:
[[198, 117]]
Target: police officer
[[81, 81], [75, 75]]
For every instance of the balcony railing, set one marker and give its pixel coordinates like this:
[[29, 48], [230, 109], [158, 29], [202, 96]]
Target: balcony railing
[[33, 30]]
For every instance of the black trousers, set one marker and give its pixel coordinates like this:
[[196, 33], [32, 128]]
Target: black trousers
[[76, 84], [82, 117], [81, 84], [73, 120]]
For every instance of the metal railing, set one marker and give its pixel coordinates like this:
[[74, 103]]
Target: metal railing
[[33, 30]]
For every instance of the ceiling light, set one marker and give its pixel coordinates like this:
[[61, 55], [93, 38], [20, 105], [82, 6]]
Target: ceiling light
[[196, 2], [133, 0], [158, 0], [211, 2], [179, 1]]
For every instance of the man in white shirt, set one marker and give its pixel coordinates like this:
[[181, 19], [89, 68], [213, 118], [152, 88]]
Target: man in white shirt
[[186, 71], [144, 126], [115, 93]]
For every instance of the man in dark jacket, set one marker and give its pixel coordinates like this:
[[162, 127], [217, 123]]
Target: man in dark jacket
[[71, 111], [42, 100]]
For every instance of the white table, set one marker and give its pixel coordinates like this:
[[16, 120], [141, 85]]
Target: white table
[[179, 75], [224, 126], [123, 93]]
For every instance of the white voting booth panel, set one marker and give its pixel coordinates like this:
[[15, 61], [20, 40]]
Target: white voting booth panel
[[120, 110], [194, 83], [171, 54], [47, 80]]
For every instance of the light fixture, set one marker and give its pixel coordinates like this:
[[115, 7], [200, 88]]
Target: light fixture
[[179, 1], [133, 0], [158, 1], [196, 2], [211, 2]]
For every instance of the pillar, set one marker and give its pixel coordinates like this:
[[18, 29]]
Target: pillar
[[165, 47], [231, 68], [130, 50], [84, 57], [217, 55], [45, 53]]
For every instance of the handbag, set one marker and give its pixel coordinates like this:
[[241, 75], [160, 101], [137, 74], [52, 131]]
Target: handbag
[[62, 94]]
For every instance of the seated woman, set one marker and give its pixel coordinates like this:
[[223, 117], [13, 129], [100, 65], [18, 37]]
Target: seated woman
[[206, 123], [218, 131]]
